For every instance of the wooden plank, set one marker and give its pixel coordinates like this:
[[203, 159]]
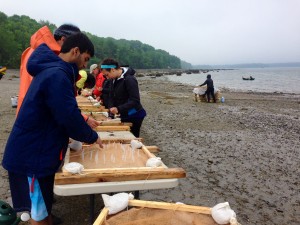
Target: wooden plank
[[84, 102], [111, 123], [102, 217], [93, 109], [152, 148], [89, 105], [123, 141], [112, 128], [123, 170], [149, 154], [116, 135], [111, 175], [171, 206]]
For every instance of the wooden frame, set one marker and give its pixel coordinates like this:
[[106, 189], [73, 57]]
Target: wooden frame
[[116, 135], [119, 133], [157, 205], [119, 174], [112, 128], [91, 108]]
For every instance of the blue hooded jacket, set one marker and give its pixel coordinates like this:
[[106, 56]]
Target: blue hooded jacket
[[49, 115]]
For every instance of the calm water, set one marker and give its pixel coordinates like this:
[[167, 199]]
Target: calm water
[[286, 80]]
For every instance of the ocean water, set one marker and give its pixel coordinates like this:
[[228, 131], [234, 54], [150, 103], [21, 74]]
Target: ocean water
[[285, 80]]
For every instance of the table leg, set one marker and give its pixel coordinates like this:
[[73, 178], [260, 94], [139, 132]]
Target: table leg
[[92, 207], [136, 194]]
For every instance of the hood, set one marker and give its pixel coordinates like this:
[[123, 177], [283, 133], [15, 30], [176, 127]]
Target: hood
[[44, 35], [43, 58], [130, 71]]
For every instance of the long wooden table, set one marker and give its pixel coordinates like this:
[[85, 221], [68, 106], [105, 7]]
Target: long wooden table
[[97, 178]]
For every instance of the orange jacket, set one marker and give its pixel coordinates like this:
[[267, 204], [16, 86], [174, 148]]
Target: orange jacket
[[43, 35], [99, 83]]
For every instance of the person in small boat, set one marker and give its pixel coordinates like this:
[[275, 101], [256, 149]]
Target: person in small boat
[[210, 91]]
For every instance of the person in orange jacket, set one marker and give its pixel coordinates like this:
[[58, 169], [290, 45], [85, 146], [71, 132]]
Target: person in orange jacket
[[54, 42], [97, 92]]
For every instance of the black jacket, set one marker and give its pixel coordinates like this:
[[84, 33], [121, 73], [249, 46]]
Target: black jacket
[[125, 95], [105, 92], [209, 82]]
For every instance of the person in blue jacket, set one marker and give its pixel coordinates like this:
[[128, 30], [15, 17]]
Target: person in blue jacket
[[47, 118], [124, 96]]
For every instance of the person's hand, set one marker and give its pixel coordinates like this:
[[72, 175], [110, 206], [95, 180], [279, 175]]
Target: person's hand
[[99, 142], [114, 110], [92, 122]]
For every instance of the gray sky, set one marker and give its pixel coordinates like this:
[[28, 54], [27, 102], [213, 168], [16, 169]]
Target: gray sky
[[196, 31]]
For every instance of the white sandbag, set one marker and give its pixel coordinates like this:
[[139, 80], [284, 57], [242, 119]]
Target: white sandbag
[[199, 90], [117, 202], [97, 104], [74, 167], [223, 214], [154, 162], [202, 90], [75, 145], [216, 90], [135, 144], [104, 114]]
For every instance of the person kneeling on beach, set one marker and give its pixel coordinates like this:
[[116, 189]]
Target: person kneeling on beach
[[47, 118]]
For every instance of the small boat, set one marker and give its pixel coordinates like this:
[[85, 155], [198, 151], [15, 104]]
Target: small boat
[[248, 78]]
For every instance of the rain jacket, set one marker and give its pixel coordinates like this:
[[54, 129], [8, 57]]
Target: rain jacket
[[82, 79], [43, 35], [209, 82], [125, 95], [99, 83], [47, 118]]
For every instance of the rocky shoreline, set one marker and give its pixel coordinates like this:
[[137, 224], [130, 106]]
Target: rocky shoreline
[[164, 72], [244, 151]]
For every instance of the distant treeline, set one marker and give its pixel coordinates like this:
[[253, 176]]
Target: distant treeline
[[15, 33], [248, 65]]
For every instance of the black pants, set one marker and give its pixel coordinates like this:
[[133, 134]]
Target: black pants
[[210, 91], [136, 126]]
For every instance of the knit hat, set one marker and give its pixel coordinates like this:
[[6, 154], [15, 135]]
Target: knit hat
[[66, 30], [92, 67]]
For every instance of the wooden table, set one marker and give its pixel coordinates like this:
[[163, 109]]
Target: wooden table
[[116, 168]]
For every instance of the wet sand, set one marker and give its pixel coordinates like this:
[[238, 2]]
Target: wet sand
[[244, 151]]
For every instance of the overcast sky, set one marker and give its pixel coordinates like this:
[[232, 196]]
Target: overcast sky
[[197, 31]]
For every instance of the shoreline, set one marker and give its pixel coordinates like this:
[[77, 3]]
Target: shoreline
[[15, 74], [244, 151]]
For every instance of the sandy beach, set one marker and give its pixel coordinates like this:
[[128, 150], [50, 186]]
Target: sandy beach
[[244, 151]]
